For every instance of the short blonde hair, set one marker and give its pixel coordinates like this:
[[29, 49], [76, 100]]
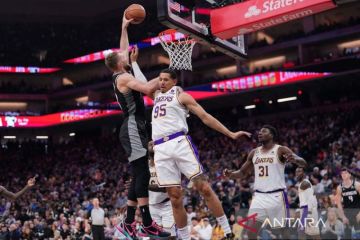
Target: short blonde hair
[[111, 60]]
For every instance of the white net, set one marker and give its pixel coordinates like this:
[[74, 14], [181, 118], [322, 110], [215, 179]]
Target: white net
[[179, 51]]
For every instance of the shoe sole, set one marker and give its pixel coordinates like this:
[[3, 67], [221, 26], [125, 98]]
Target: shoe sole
[[156, 237], [127, 235]]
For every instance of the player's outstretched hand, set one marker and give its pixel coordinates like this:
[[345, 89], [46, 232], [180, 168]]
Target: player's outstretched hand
[[239, 134], [126, 22], [227, 173], [134, 54], [31, 182]]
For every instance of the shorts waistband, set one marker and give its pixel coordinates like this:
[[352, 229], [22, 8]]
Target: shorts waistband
[[168, 138], [274, 191]]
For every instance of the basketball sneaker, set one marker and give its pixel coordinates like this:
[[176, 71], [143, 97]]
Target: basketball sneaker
[[154, 231], [128, 230]]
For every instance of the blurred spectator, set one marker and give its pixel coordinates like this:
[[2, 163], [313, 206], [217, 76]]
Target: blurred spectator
[[237, 229], [217, 232], [334, 228], [58, 204]]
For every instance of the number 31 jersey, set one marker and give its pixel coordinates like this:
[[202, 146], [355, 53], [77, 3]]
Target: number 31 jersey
[[269, 171], [168, 115]]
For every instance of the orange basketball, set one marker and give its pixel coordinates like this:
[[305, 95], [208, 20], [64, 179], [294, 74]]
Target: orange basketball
[[136, 12]]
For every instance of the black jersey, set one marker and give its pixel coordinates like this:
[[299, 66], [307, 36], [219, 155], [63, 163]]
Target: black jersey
[[131, 103], [350, 197], [133, 134]]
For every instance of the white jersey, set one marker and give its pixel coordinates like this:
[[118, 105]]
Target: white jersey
[[155, 197], [307, 197], [269, 171], [168, 115]]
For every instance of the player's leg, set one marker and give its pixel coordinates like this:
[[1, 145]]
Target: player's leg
[[202, 185], [155, 212], [149, 227], [128, 226], [313, 230], [279, 212], [189, 164], [257, 215], [167, 217], [176, 198]]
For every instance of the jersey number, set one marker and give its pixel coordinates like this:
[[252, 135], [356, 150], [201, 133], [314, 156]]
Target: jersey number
[[264, 172], [160, 111], [351, 198]]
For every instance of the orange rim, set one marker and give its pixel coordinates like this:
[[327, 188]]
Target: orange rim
[[185, 40]]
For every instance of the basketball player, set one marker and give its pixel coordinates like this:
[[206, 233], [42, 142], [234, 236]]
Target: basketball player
[[268, 161], [175, 154], [133, 136], [348, 202], [308, 205], [159, 201], [13, 196]]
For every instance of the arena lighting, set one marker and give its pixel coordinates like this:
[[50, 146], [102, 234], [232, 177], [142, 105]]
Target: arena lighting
[[250, 107], [9, 137], [27, 70], [226, 70], [270, 101], [280, 100], [72, 134], [350, 44], [13, 105], [42, 137]]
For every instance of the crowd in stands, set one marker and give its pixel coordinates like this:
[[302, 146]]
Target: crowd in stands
[[74, 171], [24, 87], [51, 44]]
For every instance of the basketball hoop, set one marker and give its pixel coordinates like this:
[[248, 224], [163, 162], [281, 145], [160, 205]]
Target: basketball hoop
[[179, 48]]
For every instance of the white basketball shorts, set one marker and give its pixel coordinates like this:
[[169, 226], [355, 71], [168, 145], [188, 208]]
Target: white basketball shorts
[[270, 208], [175, 157]]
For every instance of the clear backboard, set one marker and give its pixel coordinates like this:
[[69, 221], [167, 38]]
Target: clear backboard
[[192, 17]]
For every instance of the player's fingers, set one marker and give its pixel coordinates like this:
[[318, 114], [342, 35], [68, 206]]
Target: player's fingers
[[248, 134]]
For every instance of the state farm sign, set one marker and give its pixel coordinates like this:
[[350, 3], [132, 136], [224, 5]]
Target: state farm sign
[[255, 15]]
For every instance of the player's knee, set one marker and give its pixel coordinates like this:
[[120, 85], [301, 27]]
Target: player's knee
[[175, 195], [204, 188]]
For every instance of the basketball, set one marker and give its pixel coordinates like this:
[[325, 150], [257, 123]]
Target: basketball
[[136, 12]]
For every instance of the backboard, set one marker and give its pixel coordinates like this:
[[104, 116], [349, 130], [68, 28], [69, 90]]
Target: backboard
[[192, 17]]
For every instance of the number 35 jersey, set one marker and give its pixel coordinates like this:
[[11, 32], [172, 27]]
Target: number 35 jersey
[[269, 171], [168, 115]]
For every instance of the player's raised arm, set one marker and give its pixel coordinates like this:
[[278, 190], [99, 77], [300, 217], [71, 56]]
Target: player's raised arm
[[13, 196], [286, 155], [124, 39], [131, 82], [208, 119], [246, 169], [135, 66]]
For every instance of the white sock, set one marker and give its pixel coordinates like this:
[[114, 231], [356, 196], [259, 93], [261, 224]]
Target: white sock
[[224, 223], [184, 233]]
